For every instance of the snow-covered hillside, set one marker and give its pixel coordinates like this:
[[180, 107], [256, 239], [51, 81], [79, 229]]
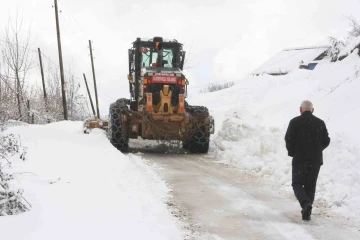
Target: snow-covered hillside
[[81, 187], [289, 59], [252, 117]]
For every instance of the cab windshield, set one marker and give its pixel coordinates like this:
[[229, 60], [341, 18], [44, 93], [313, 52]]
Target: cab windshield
[[150, 58]]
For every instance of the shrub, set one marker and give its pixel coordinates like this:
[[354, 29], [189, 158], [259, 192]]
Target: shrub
[[213, 87], [11, 199]]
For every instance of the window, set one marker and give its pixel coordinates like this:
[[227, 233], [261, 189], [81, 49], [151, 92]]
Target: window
[[168, 57], [149, 57]]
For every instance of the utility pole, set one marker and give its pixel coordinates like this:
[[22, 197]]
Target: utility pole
[[93, 72], [28, 108], [61, 62], [91, 102], [43, 79]]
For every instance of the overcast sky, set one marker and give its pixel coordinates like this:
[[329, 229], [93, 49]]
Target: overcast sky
[[225, 40]]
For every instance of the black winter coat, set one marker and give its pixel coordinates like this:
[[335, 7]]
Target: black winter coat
[[306, 138]]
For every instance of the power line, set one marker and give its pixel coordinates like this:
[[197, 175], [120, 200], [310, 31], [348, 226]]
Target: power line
[[30, 49], [78, 78], [43, 55], [63, 16], [71, 15], [6, 41], [67, 24]]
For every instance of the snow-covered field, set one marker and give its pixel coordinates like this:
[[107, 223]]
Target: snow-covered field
[[81, 187], [252, 118]]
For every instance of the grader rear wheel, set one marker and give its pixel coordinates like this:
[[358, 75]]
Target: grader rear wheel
[[198, 136]]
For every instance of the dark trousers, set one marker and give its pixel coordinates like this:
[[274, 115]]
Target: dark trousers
[[304, 177]]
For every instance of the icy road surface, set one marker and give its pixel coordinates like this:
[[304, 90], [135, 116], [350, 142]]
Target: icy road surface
[[222, 202]]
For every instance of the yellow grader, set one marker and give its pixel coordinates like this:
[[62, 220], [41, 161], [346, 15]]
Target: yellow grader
[[157, 108]]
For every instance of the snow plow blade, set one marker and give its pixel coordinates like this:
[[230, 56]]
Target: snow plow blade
[[95, 123]]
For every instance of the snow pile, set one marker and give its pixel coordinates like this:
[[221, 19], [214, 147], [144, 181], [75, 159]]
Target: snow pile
[[81, 187], [355, 43], [255, 114], [289, 59]]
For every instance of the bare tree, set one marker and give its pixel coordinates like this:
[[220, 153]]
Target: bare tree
[[7, 98], [76, 101], [354, 27], [16, 89], [77, 104], [15, 52]]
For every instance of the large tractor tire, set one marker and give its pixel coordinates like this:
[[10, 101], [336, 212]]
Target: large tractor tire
[[118, 135], [198, 136]]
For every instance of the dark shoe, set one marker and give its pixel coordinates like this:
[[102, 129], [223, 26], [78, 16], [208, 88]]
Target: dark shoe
[[306, 212], [306, 217]]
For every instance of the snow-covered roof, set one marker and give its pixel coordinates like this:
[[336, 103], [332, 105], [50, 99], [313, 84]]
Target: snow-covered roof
[[289, 59], [309, 47]]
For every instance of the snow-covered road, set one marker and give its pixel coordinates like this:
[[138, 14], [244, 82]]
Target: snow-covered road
[[222, 202], [81, 187]]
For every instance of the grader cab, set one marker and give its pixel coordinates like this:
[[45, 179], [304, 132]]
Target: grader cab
[[157, 108]]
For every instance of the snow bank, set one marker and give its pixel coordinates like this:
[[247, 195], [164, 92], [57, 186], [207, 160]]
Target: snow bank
[[289, 59], [252, 118], [80, 187]]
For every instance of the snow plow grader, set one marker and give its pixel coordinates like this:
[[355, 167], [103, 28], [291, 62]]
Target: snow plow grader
[[157, 109]]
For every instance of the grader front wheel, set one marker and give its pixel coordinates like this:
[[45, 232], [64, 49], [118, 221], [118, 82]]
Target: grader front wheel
[[117, 129]]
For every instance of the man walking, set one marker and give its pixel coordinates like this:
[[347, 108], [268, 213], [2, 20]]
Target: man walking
[[306, 138]]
